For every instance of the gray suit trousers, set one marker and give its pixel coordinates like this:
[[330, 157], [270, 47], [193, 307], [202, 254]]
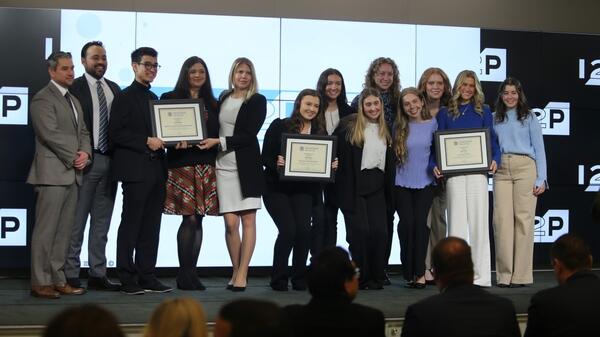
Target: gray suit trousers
[[55, 211], [96, 198]]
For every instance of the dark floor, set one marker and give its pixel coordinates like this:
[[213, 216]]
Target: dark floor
[[18, 308]]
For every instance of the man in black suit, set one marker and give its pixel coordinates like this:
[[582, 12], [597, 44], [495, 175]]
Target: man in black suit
[[97, 193], [571, 308], [138, 161], [333, 283], [462, 308]]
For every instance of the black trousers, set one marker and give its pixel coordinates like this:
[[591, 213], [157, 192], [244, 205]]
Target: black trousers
[[140, 226], [291, 214], [367, 227], [412, 205], [324, 223]]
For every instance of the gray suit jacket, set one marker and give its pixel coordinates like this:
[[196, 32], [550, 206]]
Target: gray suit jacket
[[58, 137]]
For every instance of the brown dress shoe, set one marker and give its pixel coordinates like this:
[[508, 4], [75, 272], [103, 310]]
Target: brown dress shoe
[[66, 289], [44, 292]]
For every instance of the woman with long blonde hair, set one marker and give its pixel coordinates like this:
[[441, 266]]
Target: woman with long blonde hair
[[363, 185], [240, 180], [467, 194]]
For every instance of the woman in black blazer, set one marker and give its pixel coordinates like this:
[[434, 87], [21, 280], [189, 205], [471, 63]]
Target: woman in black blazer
[[363, 185], [240, 181], [192, 184], [332, 90], [290, 203]]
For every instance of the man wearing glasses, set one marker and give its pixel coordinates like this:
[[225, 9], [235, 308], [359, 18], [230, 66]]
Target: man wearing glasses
[[139, 163]]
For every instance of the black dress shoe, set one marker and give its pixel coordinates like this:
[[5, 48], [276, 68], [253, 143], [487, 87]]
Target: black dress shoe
[[418, 285], [409, 284], [132, 289], [156, 287], [516, 285], [102, 283], [74, 282], [502, 285], [279, 287], [229, 286]]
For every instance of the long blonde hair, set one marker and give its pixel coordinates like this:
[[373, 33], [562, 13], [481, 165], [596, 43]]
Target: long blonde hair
[[401, 128], [253, 89], [477, 100], [178, 317], [356, 127]]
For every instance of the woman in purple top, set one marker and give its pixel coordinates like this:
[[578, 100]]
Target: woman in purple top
[[467, 194], [413, 135]]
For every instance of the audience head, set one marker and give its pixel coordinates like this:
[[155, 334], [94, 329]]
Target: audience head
[[87, 320], [242, 77], [331, 86], [250, 318], [570, 254], [93, 59], [178, 317], [145, 65], [60, 68], [452, 262], [332, 274]]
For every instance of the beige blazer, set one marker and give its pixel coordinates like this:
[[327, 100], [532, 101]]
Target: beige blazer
[[58, 137]]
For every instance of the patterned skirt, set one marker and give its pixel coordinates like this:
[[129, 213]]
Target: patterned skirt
[[192, 190]]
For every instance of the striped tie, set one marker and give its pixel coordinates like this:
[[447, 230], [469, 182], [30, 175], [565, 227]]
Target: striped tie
[[103, 124]]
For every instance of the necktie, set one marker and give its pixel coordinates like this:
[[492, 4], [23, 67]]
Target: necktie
[[68, 98], [103, 121]]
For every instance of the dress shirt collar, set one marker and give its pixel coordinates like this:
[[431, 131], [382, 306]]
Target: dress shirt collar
[[63, 90]]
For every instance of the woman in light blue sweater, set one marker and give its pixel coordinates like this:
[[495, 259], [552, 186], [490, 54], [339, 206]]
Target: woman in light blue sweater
[[519, 180]]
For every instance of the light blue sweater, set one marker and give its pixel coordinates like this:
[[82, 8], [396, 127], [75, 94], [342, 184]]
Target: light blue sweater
[[523, 138]]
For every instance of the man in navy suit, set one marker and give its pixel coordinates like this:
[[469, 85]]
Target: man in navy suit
[[461, 308], [97, 193], [571, 308]]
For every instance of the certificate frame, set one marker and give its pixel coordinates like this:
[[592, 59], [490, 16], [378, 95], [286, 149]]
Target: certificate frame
[[188, 124], [308, 157], [463, 151]]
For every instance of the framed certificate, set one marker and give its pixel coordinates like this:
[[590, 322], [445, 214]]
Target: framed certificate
[[175, 120], [463, 151], [308, 157]]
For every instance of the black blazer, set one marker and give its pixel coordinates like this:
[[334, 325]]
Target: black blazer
[[334, 317], [81, 90], [271, 149], [348, 173], [244, 142], [570, 309], [345, 110], [461, 311], [193, 155], [128, 130]]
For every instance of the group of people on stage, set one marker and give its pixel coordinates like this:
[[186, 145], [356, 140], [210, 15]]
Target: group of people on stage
[[385, 164]]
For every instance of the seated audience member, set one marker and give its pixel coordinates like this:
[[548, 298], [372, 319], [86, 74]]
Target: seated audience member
[[87, 320], [333, 283], [250, 318], [572, 307], [462, 308], [177, 317]]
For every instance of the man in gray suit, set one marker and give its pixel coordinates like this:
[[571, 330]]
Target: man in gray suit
[[62, 151], [97, 193]]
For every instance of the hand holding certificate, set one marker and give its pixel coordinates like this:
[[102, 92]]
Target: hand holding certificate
[[463, 151], [308, 157], [177, 120]]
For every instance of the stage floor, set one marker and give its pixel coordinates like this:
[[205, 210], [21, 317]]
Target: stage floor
[[19, 309]]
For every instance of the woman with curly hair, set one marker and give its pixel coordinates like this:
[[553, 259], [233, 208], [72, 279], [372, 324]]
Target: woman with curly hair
[[467, 194]]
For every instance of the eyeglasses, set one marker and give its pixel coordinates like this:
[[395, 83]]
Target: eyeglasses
[[150, 66]]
